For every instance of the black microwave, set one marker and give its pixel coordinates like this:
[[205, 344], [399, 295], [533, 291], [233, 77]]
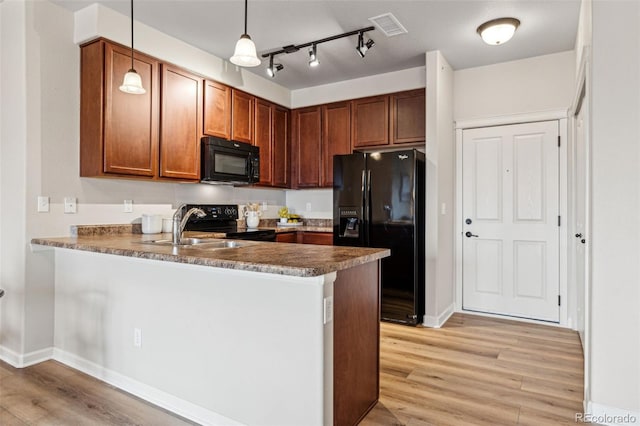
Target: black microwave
[[229, 162]]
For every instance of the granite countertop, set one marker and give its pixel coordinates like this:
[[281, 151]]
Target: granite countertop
[[301, 260]]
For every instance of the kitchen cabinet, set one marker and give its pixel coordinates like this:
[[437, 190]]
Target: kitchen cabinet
[[306, 147], [181, 123], [118, 131], [217, 110], [281, 147], [408, 117], [271, 135], [241, 116], [322, 238], [336, 137], [287, 237], [370, 121]]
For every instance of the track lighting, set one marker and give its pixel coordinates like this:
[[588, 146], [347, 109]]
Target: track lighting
[[273, 68], [313, 57], [313, 49], [362, 46]]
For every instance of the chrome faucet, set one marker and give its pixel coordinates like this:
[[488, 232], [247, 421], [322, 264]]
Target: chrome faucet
[[180, 220]]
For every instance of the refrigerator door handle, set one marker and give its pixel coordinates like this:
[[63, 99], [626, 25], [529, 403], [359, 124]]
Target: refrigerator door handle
[[363, 183]]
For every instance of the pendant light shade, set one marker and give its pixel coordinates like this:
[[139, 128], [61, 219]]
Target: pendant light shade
[[245, 52], [132, 82], [498, 31]]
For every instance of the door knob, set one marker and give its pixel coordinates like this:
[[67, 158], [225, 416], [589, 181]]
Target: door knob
[[578, 235], [469, 234]]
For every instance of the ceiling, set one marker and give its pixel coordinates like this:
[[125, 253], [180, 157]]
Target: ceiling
[[547, 26]]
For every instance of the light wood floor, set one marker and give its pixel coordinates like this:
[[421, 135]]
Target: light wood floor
[[473, 371], [478, 371]]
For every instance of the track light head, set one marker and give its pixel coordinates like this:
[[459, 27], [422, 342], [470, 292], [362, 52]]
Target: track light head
[[273, 68], [313, 57], [362, 46]]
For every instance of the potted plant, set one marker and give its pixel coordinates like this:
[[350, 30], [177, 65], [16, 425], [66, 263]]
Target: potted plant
[[283, 213]]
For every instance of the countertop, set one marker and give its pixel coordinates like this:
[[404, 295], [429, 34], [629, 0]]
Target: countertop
[[301, 260]]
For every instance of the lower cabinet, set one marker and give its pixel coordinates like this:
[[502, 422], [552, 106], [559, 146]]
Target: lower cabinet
[[305, 237]]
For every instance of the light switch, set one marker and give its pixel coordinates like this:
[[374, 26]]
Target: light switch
[[43, 204], [70, 204]]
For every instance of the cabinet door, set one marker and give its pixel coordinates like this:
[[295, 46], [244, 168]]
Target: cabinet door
[[181, 124], [408, 117], [370, 121], [263, 139], [217, 110], [287, 237], [323, 238], [130, 121], [336, 137], [305, 161], [241, 116], [280, 155]]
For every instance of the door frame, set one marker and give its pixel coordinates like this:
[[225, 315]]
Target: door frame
[[561, 116]]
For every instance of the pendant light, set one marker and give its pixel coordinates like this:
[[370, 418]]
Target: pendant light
[[498, 31], [245, 53], [132, 82]]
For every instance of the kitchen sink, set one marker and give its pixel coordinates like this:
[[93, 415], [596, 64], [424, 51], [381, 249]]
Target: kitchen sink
[[208, 243]]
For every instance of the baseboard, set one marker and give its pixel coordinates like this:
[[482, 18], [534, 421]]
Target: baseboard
[[605, 415], [155, 396], [20, 361], [438, 321]]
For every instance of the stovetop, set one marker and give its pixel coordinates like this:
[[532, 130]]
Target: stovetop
[[222, 218]]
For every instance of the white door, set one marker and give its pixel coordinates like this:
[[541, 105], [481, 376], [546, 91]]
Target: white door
[[510, 211], [580, 194]]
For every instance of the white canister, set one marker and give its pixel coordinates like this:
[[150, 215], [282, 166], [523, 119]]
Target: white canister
[[253, 219], [151, 223], [167, 224]]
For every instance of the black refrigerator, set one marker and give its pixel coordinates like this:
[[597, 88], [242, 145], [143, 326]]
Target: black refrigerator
[[379, 201]]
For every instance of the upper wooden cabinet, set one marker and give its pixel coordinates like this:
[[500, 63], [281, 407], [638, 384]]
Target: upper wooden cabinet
[[271, 135], [281, 147], [370, 121], [241, 116], [118, 131], [408, 117], [181, 124], [336, 137], [306, 140], [217, 110]]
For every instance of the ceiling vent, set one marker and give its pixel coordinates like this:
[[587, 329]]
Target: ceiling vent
[[388, 24]]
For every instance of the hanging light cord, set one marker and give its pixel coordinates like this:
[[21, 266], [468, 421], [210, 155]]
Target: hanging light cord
[[132, 34], [245, 16]]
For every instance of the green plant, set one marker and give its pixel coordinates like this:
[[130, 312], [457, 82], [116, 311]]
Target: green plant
[[283, 212]]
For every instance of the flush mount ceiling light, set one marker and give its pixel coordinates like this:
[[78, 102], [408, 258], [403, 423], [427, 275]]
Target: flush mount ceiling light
[[245, 52], [313, 57], [313, 52], [273, 68], [498, 31], [132, 82], [362, 47]]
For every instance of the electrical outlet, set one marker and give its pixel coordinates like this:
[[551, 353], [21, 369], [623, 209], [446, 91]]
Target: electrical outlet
[[264, 206], [70, 205], [328, 309], [128, 206], [137, 337], [43, 204], [443, 209], [308, 207]]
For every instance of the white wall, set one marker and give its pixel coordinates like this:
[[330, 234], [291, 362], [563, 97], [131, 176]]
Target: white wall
[[412, 78], [440, 185], [541, 83], [312, 203], [615, 239]]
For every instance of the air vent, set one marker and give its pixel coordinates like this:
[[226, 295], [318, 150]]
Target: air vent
[[388, 24]]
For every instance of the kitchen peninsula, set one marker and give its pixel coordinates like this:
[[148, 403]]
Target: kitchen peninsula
[[260, 334]]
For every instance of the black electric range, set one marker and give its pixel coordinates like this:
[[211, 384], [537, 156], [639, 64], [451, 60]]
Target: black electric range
[[222, 218]]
